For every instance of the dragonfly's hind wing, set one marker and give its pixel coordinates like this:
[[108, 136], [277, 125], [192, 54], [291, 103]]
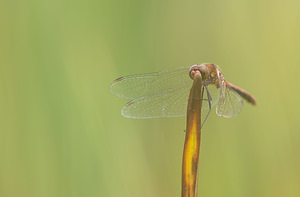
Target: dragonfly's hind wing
[[169, 103], [135, 86], [230, 103]]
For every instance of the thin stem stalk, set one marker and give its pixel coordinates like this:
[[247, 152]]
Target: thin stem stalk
[[191, 150]]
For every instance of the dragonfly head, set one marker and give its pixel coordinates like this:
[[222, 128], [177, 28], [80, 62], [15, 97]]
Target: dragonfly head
[[199, 68]]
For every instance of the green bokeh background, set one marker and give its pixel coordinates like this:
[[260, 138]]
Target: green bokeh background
[[61, 131]]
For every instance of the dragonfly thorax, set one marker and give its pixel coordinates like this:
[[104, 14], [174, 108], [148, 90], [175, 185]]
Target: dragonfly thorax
[[199, 68]]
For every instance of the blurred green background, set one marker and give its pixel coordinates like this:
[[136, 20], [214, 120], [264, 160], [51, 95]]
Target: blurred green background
[[61, 131]]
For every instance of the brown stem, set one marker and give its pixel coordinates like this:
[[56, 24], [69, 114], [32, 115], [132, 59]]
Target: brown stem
[[192, 140]]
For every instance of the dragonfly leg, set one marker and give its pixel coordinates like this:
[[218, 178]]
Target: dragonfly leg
[[209, 104]]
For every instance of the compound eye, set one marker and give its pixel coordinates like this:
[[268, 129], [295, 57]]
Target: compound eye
[[193, 71]]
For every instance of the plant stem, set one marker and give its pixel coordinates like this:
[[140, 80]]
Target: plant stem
[[192, 140]]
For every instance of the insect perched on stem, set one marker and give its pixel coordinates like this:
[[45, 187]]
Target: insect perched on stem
[[165, 93]]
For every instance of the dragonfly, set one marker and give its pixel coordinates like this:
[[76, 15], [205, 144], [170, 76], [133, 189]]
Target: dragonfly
[[165, 93]]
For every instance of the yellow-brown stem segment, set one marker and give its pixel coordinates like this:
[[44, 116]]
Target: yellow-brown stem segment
[[192, 140]]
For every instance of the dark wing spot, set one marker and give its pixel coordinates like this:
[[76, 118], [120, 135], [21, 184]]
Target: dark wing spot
[[119, 79], [130, 102]]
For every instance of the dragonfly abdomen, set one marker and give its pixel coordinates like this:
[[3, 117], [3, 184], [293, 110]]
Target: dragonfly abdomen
[[243, 93]]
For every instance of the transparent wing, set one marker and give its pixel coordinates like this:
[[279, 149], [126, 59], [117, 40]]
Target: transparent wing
[[230, 103], [169, 103], [135, 86]]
